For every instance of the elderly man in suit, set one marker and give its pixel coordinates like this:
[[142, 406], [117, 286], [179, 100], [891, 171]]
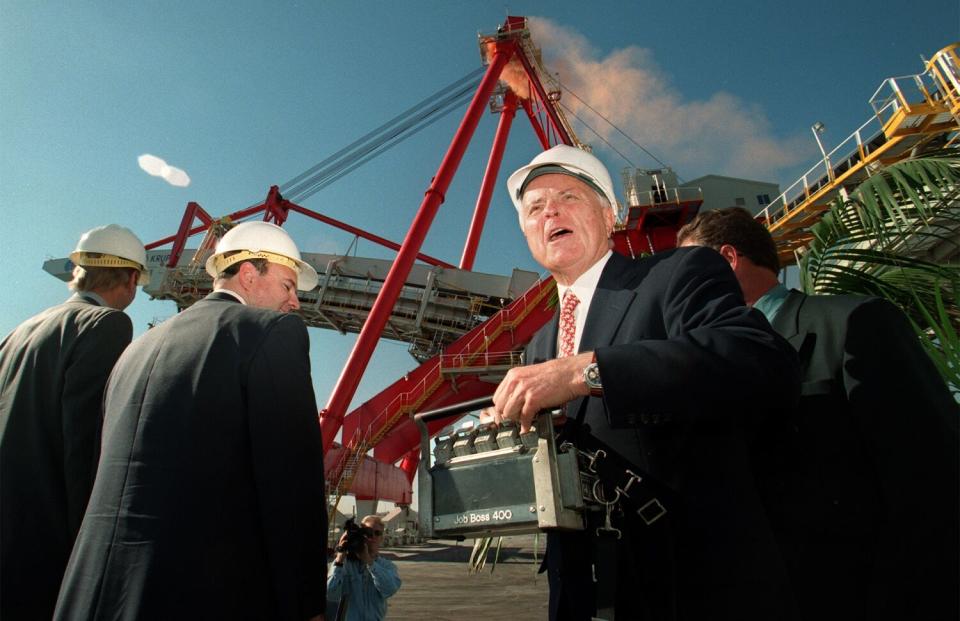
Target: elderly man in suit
[[868, 510], [53, 369], [669, 369], [209, 500]]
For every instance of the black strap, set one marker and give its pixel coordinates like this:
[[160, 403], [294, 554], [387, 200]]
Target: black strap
[[620, 480]]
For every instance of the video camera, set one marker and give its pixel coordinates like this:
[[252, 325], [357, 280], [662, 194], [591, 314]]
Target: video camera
[[357, 536]]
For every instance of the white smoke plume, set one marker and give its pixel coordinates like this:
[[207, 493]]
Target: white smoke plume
[[153, 165], [722, 134]]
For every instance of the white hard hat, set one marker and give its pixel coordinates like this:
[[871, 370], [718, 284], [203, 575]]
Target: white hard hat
[[112, 246], [564, 159], [261, 240]]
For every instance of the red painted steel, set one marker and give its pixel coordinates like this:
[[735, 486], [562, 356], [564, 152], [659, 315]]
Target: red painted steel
[[375, 479], [409, 464], [365, 235], [489, 181], [535, 122], [651, 229], [276, 207], [193, 211], [383, 422], [331, 417], [548, 106], [432, 384]]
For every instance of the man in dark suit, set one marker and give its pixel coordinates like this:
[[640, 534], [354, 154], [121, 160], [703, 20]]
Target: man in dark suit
[[53, 368], [673, 373], [868, 505], [209, 500]]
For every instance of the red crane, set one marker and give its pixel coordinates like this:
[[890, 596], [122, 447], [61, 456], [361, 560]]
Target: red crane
[[514, 79]]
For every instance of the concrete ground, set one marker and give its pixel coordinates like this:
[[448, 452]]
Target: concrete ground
[[437, 583]]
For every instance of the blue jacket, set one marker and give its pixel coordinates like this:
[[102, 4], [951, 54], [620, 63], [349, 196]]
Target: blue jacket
[[366, 588]]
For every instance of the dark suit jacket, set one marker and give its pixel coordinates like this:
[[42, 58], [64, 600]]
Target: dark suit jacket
[[209, 499], [686, 370], [53, 369], [870, 510]]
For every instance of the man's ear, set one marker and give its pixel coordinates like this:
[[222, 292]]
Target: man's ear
[[729, 253], [609, 220], [132, 281], [246, 273]]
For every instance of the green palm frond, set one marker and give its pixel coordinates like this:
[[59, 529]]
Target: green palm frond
[[942, 341], [878, 240]]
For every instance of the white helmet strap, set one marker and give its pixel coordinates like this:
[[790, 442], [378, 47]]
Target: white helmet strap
[[221, 263]]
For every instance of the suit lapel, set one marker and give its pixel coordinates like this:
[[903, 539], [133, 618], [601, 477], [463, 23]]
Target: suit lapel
[[551, 336], [786, 322], [608, 307]]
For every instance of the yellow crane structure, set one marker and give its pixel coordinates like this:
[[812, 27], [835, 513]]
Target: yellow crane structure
[[912, 114]]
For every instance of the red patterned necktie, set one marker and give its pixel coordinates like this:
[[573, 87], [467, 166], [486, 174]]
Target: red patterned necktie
[[568, 324]]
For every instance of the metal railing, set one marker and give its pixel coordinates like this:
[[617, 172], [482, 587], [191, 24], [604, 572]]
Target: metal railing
[[478, 361], [666, 196], [893, 96], [854, 150], [409, 401]]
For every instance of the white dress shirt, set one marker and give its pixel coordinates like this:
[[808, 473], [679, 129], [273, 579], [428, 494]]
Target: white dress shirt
[[583, 287]]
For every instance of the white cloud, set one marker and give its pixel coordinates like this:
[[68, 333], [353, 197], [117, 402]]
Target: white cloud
[[722, 134], [157, 167]]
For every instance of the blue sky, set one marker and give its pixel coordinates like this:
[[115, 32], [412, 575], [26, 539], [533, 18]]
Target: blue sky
[[242, 95]]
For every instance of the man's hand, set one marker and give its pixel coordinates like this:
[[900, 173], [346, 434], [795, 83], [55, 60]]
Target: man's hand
[[341, 557], [527, 390], [364, 555]]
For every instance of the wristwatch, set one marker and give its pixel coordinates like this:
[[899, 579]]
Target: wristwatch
[[591, 377]]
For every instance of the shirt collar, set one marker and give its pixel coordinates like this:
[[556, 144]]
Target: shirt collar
[[232, 294], [770, 302], [90, 296], [584, 286]]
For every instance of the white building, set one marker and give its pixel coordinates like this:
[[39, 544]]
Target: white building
[[720, 192]]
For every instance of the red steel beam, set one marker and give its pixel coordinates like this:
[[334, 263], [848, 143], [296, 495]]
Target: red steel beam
[[331, 417], [535, 122], [276, 208], [404, 436], [489, 180], [361, 233], [237, 215], [409, 464], [193, 210], [547, 105]]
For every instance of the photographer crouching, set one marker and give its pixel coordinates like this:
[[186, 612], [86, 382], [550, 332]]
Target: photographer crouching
[[360, 578]]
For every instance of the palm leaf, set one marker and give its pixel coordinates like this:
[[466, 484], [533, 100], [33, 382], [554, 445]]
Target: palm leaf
[[877, 241], [942, 341]]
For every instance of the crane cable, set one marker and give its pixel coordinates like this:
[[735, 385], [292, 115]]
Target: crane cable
[[364, 152], [597, 134], [611, 124], [410, 122], [374, 143]]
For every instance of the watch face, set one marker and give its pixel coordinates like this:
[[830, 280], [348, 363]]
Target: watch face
[[591, 375]]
